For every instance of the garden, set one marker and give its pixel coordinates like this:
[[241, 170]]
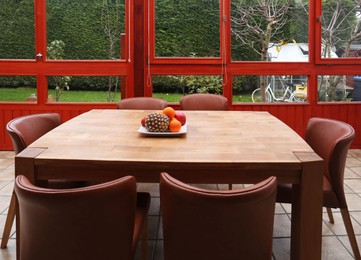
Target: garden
[[91, 29]]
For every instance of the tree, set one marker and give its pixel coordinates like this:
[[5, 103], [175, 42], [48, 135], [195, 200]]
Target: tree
[[110, 19], [55, 51], [340, 29], [255, 23]]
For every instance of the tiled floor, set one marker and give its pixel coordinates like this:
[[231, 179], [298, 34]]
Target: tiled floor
[[335, 241]]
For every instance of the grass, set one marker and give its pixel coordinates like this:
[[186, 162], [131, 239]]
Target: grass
[[15, 94], [168, 97], [176, 97], [20, 95]]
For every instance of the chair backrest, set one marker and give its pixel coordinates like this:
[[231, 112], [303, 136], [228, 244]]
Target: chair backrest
[[94, 222], [331, 139], [211, 224], [26, 129], [146, 103], [204, 101]]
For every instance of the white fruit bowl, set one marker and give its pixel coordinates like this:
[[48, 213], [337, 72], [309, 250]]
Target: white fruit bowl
[[144, 131]]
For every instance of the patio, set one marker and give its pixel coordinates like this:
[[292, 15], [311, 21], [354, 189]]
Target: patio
[[335, 241]]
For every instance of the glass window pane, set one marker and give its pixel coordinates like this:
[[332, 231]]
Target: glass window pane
[[18, 88], [258, 25], [85, 29], [17, 37], [172, 88], [341, 29], [285, 88], [338, 88], [84, 89], [187, 28]]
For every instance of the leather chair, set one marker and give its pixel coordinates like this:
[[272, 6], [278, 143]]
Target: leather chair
[[204, 101], [330, 139], [103, 221], [212, 224], [23, 131], [146, 103]]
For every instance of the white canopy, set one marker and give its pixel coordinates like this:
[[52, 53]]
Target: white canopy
[[290, 52]]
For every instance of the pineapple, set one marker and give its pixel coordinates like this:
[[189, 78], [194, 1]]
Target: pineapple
[[156, 122]]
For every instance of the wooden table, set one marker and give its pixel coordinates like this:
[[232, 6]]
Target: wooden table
[[219, 147]]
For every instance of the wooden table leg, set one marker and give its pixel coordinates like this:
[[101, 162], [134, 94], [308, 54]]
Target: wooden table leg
[[306, 227]]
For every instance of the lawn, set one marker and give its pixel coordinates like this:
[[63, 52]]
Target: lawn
[[20, 95]]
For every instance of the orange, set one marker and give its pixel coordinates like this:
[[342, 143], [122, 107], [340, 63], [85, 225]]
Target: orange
[[174, 125], [169, 112]]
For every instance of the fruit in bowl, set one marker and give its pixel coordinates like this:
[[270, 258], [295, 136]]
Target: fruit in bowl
[[142, 121], [156, 122], [181, 117], [167, 120], [174, 125]]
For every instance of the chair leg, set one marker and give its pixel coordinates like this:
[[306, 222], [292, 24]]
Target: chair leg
[[230, 186], [330, 216], [145, 239], [9, 222], [350, 233]]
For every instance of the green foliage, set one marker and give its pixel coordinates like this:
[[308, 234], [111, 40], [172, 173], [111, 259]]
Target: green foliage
[[187, 28], [55, 51], [17, 81], [168, 84], [204, 84], [185, 84], [79, 25], [17, 37], [244, 84]]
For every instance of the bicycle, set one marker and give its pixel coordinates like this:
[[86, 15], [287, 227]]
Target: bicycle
[[298, 95]]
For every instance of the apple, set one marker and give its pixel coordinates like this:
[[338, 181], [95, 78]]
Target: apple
[[181, 117], [143, 121]]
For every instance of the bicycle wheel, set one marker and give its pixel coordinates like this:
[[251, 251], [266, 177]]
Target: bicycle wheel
[[298, 97], [256, 96]]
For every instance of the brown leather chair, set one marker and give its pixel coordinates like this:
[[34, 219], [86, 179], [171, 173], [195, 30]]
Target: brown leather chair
[[23, 131], [212, 224], [26, 129], [330, 139], [204, 101], [146, 103], [103, 221]]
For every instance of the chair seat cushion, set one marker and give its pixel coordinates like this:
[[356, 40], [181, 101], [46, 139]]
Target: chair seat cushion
[[284, 194]]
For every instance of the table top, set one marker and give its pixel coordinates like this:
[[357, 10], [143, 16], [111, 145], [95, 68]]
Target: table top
[[218, 136], [234, 139]]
